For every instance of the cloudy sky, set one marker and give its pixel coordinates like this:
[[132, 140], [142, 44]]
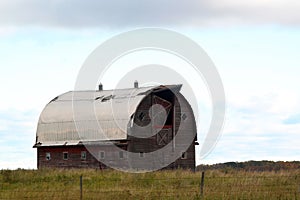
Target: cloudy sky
[[254, 44]]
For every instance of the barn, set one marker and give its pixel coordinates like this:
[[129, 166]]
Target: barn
[[139, 128]]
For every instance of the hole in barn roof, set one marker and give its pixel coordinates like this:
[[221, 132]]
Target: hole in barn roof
[[54, 99], [99, 97], [107, 98]]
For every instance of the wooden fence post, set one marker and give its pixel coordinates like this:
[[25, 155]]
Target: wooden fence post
[[202, 185], [80, 187]]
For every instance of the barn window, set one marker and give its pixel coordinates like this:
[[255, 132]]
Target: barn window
[[83, 155], [183, 116], [101, 155], [141, 116], [142, 154], [65, 155], [48, 156], [184, 155], [121, 154]]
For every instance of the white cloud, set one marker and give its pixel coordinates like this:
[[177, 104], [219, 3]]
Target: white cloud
[[255, 129], [116, 13], [17, 136]]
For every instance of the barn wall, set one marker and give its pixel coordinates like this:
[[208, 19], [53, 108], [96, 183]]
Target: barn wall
[[145, 128], [151, 144], [74, 153], [185, 118]]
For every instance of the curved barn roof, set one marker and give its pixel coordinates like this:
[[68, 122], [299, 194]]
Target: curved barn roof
[[112, 110]]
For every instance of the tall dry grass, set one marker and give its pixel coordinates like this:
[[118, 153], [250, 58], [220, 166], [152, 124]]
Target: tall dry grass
[[178, 184]]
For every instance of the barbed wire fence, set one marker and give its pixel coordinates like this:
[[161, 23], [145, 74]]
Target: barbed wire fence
[[199, 186]]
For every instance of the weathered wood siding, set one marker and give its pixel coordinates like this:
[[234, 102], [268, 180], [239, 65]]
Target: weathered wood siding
[[183, 117], [74, 156]]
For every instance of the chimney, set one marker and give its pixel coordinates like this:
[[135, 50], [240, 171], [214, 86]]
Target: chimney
[[136, 84], [100, 87]]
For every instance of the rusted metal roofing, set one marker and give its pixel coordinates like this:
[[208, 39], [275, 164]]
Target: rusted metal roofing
[[83, 116]]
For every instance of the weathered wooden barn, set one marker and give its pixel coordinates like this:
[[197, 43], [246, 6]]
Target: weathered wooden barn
[[139, 120]]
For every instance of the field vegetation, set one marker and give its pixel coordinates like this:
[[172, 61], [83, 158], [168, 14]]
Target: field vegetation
[[227, 183]]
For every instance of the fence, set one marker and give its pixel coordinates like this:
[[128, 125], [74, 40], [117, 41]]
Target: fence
[[160, 185]]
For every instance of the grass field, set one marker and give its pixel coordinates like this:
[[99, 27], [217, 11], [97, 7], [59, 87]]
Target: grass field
[[178, 184]]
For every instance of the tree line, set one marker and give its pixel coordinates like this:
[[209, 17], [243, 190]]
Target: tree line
[[264, 165]]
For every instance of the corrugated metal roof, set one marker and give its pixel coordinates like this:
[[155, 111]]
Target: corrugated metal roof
[[99, 115]]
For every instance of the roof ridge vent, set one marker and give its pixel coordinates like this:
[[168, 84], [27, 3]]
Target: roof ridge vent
[[100, 87], [136, 84]]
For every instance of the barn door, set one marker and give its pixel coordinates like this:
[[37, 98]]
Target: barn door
[[164, 136], [161, 124], [160, 115]]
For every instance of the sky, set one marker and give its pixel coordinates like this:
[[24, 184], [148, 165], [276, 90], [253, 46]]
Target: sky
[[255, 46]]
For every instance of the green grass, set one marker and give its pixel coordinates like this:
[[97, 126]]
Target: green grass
[[179, 184]]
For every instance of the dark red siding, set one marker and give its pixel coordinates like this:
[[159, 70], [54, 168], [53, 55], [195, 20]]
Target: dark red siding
[[74, 157]]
